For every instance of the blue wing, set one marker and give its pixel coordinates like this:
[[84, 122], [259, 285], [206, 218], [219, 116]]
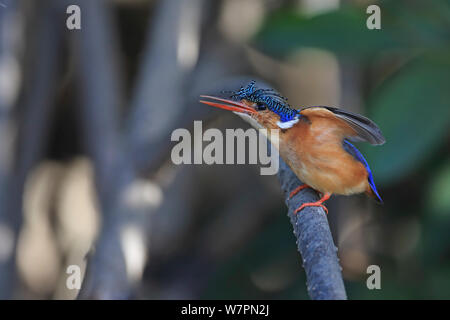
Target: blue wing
[[358, 156]]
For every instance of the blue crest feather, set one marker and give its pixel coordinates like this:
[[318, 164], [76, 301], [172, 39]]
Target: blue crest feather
[[269, 98]]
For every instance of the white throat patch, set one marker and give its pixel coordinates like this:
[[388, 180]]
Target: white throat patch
[[287, 124]]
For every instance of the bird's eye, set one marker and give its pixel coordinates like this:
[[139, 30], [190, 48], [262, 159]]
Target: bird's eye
[[260, 107]]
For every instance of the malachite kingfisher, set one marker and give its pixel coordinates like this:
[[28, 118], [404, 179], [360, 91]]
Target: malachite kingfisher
[[313, 141]]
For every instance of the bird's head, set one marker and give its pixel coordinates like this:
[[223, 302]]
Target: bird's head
[[263, 108], [258, 116]]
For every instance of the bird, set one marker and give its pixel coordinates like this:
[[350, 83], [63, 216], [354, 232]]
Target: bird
[[314, 141]]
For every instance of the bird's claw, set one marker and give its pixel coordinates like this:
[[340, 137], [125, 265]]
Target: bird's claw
[[297, 190], [311, 204]]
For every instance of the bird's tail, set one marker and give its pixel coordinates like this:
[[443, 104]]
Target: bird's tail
[[374, 194]]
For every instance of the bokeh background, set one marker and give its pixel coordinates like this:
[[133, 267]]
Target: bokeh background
[[85, 123]]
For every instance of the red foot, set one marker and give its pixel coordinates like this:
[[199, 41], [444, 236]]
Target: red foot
[[319, 203], [311, 204], [297, 190]]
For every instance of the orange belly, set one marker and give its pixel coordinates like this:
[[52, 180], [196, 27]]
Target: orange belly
[[345, 178], [315, 154]]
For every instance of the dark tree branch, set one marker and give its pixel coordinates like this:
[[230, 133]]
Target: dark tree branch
[[100, 88], [159, 95], [37, 101], [314, 240]]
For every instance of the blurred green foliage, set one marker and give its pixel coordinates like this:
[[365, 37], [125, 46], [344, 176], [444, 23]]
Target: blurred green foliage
[[411, 104], [439, 191], [413, 111], [407, 25]]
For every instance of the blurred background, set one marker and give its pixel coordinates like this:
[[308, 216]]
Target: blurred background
[[85, 122]]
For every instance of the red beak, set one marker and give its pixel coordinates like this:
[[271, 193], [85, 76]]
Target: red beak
[[231, 105]]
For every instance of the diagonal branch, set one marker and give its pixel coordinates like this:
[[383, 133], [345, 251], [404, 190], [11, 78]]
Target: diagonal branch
[[314, 241]]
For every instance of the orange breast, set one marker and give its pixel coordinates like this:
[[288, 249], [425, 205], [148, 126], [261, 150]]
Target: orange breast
[[313, 149]]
